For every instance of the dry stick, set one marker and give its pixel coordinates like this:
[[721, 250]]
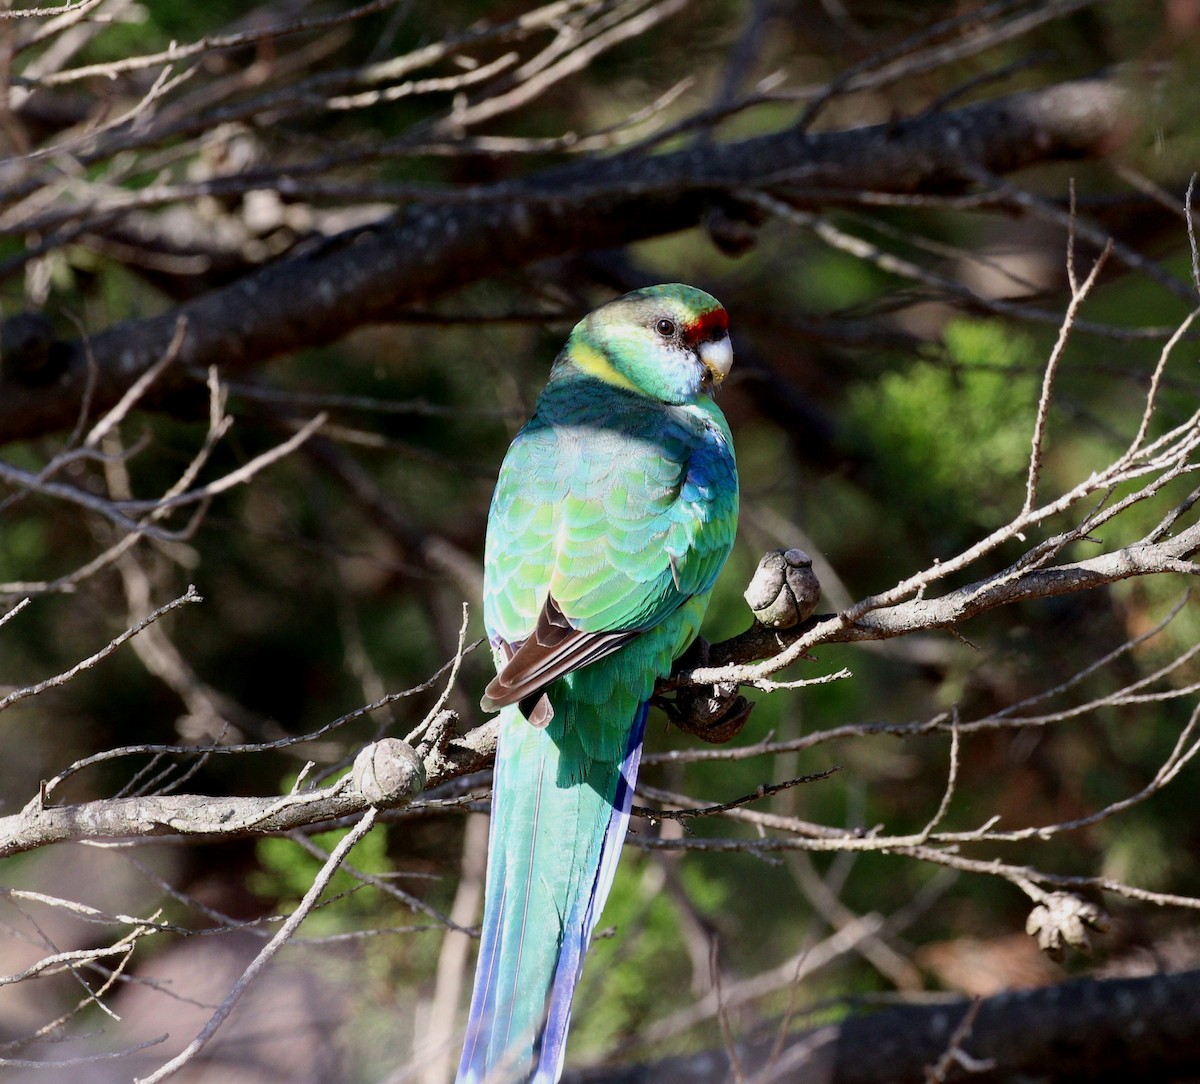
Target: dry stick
[[1156, 378], [219, 423], [33, 13], [764, 790], [951, 782], [727, 1038], [1104, 660], [87, 914], [1078, 295], [247, 747], [190, 595], [417, 87], [210, 45], [163, 85], [233, 478], [895, 616], [413, 903], [829, 840], [116, 414], [786, 974], [1140, 558], [538, 82], [893, 264], [833, 839], [104, 426], [6, 617], [391, 69], [946, 252], [876, 72], [1191, 231], [1004, 717], [620, 133], [826, 902], [219, 919], [180, 122], [268, 951], [68, 581], [88, 1059], [459, 655], [218, 426], [954, 1053], [900, 846], [1170, 768], [902, 60], [115, 510], [26, 480], [60, 961], [1050, 211], [64, 21], [1000, 719], [90, 998]]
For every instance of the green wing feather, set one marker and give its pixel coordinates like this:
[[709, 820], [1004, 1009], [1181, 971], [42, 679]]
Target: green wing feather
[[634, 518]]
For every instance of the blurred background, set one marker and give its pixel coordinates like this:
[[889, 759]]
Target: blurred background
[[889, 350]]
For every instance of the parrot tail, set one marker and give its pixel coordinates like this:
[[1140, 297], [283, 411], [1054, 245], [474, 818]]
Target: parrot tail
[[553, 845]]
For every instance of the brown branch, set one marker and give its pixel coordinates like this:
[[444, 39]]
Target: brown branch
[[450, 758], [1104, 1031], [386, 774], [764, 790], [445, 240], [926, 614]]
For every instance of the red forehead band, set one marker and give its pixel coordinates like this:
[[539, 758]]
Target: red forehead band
[[712, 325]]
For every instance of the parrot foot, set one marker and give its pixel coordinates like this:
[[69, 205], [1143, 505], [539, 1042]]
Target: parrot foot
[[714, 713]]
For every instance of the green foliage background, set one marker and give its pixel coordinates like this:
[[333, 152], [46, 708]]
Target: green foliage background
[[308, 600]]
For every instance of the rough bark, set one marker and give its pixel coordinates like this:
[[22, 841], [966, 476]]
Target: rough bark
[[441, 243], [1100, 1031]]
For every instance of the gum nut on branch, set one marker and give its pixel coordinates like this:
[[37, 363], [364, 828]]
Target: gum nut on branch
[[784, 589]]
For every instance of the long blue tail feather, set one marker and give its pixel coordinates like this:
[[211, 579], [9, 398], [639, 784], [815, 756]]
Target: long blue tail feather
[[578, 929], [553, 851]]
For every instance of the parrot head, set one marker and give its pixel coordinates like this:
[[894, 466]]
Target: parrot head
[[668, 342]]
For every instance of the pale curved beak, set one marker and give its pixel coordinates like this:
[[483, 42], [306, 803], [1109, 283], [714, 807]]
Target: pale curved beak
[[717, 356]]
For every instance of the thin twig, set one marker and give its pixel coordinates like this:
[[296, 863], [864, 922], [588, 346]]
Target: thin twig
[[268, 951], [190, 595], [1078, 295]]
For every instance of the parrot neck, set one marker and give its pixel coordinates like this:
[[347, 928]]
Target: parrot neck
[[596, 364]]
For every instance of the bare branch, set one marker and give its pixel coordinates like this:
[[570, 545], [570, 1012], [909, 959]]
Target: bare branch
[[269, 950], [1079, 294], [439, 243], [188, 596], [148, 816]]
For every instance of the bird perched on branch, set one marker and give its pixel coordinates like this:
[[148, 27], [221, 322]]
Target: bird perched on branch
[[614, 511]]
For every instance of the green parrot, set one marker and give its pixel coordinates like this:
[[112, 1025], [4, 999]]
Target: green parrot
[[615, 509]]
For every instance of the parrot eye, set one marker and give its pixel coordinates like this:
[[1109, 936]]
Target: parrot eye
[[665, 327]]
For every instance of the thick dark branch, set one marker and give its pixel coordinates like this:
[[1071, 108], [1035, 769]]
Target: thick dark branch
[[446, 241], [1104, 1032]]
